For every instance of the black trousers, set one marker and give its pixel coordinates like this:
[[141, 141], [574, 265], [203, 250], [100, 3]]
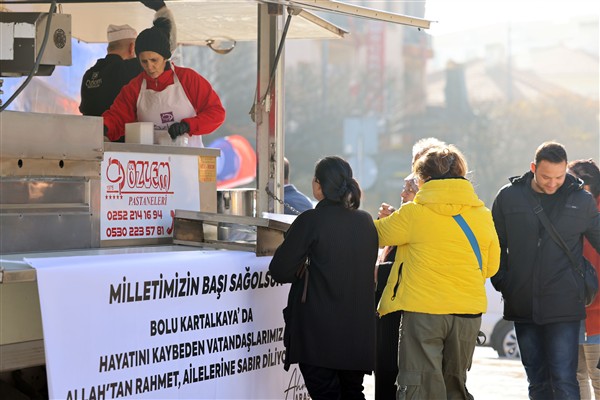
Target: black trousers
[[386, 352], [331, 384], [386, 356]]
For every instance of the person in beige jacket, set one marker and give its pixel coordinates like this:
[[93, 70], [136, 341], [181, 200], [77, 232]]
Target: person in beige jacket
[[442, 290]]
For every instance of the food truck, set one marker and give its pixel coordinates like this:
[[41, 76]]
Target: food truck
[[116, 270]]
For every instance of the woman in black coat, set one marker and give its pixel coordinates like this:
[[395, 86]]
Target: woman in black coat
[[330, 325]]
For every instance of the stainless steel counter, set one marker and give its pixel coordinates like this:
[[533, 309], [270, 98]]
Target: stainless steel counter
[[157, 149], [13, 268]]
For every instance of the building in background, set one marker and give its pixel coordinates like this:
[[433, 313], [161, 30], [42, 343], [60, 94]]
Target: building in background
[[369, 87]]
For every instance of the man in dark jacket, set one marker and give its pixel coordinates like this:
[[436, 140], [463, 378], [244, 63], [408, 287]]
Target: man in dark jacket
[[542, 293], [103, 81], [295, 202]]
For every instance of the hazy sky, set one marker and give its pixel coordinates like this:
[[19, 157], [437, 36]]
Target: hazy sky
[[456, 15]]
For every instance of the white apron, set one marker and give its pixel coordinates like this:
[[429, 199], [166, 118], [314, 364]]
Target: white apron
[[166, 107]]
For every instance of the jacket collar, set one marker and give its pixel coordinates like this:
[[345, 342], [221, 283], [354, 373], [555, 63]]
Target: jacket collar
[[571, 183], [327, 202], [164, 79], [449, 196], [113, 56]]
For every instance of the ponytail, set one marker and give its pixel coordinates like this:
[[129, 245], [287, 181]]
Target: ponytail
[[334, 174]]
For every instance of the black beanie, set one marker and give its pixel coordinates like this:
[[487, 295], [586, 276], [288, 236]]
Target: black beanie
[[155, 39]]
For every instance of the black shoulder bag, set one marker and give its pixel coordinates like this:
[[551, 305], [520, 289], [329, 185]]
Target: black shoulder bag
[[296, 296], [585, 269]]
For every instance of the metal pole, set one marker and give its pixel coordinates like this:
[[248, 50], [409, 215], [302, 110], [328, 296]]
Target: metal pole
[[269, 112]]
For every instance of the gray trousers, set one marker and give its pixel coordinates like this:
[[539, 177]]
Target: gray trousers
[[434, 354]]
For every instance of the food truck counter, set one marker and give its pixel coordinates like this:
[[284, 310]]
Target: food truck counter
[[156, 149], [14, 268]]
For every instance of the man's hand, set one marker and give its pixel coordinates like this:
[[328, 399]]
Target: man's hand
[[153, 4], [178, 129]]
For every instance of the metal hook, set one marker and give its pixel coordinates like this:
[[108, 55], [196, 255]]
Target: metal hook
[[210, 42]]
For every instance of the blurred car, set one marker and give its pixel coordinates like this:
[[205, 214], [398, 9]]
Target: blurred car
[[500, 334]]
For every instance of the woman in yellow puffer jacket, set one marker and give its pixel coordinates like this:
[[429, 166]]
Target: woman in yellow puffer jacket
[[442, 290]]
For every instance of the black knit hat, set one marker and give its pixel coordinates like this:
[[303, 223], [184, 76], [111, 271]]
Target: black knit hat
[[155, 39]]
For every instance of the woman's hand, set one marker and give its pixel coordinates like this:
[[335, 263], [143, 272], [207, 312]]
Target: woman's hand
[[178, 129], [385, 210]]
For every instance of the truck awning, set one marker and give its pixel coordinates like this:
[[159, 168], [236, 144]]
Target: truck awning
[[201, 21]]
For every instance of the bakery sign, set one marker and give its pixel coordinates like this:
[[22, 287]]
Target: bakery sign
[[141, 191]]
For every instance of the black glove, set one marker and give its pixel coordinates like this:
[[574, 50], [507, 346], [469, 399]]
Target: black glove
[[178, 129], [153, 4]]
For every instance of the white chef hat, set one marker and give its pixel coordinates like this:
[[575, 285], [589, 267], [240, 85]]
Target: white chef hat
[[119, 32]]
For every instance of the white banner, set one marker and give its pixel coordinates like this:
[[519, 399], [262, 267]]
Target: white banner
[[172, 325], [140, 192]]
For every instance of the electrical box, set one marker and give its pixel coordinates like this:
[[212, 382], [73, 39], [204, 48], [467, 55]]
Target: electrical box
[[21, 38]]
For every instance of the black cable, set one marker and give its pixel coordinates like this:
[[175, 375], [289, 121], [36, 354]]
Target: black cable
[[273, 68], [278, 53], [38, 59]]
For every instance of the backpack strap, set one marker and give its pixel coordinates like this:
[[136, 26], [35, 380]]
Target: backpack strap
[[469, 234]]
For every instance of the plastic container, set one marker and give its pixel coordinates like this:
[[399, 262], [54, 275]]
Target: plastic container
[[162, 137], [139, 132]]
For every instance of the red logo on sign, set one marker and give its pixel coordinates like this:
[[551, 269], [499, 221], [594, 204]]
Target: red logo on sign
[[140, 177]]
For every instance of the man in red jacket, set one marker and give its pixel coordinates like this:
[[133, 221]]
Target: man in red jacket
[[589, 334], [174, 98]]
